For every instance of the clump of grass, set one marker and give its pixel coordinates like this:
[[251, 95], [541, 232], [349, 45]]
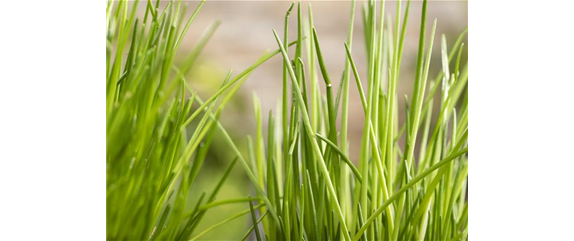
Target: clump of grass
[[158, 129], [307, 186], [414, 190]]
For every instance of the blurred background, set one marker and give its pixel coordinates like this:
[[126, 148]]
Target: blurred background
[[245, 33]]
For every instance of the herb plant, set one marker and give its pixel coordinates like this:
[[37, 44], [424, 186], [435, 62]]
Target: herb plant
[[397, 192], [411, 178]]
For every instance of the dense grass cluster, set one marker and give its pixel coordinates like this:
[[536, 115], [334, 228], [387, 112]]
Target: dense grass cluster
[[316, 192], [410, 182], [152, 160]]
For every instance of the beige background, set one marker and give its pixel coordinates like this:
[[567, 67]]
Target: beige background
[[245, 33]]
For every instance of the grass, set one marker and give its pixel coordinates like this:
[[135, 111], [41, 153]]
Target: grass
[[410, 182], [399, 191], [158, 129]]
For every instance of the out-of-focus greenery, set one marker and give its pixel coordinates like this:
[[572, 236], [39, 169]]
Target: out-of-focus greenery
[[148, 175], [160, 132]]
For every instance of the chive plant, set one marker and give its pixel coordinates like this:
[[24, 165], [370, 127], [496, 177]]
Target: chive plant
[[410, 181], [158, 129]]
